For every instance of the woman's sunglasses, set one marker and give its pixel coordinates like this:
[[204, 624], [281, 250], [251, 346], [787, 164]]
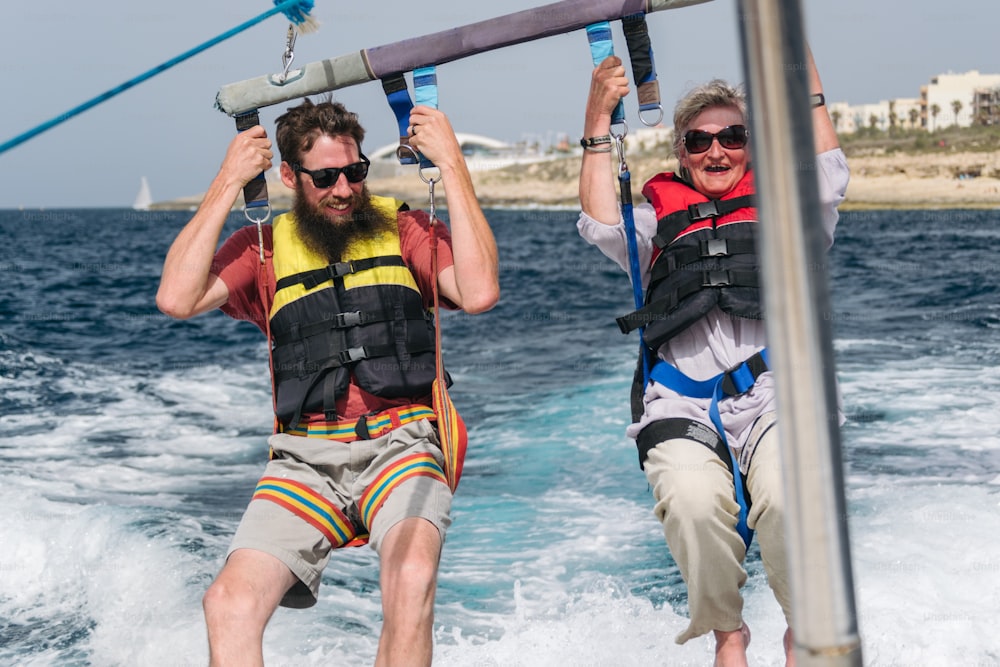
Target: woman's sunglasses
[[731, 137], [325, 178]]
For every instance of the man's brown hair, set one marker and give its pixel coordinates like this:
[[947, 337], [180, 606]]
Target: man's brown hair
[[299, 127]]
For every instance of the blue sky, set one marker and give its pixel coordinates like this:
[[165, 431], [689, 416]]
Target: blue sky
[[58, 54]]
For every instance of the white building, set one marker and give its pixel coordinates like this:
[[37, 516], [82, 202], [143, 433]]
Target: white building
[[934, 109], [946, 92]]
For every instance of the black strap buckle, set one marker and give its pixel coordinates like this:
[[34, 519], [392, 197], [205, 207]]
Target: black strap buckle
[[715, 248], [345, 320], [352, 354], [340, 269], [706, 209], [361, 427], [716, 279]]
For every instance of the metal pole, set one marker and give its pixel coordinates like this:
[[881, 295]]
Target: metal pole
[[800, 341]]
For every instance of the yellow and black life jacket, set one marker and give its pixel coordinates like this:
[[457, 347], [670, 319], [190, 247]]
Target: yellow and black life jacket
[[363, 316], [705, 255]]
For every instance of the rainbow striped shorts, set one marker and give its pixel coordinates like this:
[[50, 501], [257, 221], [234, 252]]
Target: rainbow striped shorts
[[316, 496]]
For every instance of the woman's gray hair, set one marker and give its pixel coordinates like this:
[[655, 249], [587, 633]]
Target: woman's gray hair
[[715, 93]]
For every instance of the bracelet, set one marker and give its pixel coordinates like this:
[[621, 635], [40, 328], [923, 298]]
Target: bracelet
[[591, 143], [817, 100]]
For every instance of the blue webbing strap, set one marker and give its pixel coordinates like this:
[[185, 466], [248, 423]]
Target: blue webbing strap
[[399, 100], [425, 93], [398, 96], [743, 379], [635, 273], [601, 46], [425, 90], [296, 10]]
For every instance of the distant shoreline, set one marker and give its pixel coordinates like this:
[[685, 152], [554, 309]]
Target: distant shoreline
[[877, 182]]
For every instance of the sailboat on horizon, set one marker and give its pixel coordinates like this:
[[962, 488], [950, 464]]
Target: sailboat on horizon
[[144, 198]]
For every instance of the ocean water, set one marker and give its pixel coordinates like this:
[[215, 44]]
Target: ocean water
[[131, 444]]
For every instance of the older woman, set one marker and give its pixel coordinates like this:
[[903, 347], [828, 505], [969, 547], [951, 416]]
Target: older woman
[[711, 460]]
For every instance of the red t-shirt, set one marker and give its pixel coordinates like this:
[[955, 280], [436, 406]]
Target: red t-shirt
[[237, 264]]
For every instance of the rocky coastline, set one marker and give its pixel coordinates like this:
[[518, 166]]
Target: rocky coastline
[[895, 181]]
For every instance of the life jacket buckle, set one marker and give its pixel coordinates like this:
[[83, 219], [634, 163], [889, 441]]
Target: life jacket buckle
[[716, 279], [339, 269], [715, 248], [703, 210], [353, 354], [345, 320]]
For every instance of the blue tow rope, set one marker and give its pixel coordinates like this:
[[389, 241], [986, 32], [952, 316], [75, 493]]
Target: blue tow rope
[[297, 12]]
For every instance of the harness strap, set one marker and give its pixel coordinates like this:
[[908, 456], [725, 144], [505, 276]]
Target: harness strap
[[640, 53], [366, 427], [680, 258], [602, 46], [349, 320], [688, 429], [452, 433], [742, 377], [342, 358], [670, 226], [255, 191], [310, 279], [399, 100], [697, 282], [398, 96], [263, 291]]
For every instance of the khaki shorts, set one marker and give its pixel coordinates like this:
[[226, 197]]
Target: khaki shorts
[[317, 495]]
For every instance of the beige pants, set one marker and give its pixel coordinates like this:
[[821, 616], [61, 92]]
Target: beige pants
[[696, 503]]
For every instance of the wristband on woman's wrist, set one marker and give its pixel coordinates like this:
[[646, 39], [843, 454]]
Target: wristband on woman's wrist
[[597, 144], [817, 100]]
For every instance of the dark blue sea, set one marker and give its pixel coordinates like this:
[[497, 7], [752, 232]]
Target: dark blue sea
[[131, 444]]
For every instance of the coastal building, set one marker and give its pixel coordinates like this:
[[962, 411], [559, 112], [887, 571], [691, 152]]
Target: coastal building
[[947, 100], [950, 99]]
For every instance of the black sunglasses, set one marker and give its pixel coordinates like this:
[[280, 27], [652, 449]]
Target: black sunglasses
[[731, 137], [325, 178]]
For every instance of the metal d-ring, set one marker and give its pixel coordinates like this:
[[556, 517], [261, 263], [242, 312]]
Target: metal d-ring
[[659, 116], [259, 222], [420, 169]]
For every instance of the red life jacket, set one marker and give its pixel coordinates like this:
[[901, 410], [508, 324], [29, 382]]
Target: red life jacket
[[705, 256]]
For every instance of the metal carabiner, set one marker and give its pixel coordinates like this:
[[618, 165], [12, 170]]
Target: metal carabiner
[[289, 55], [260, 224], [620, 146]]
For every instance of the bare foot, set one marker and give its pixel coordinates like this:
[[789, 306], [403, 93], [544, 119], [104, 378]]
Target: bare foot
[[789, 649], [731, 647]]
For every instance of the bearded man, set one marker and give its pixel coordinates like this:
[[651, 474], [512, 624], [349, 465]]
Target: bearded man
[[343, 293]]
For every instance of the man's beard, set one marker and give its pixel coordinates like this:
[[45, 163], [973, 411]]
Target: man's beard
[[329, 236]]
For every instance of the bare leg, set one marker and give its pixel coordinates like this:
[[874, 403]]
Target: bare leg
[[731, 647], [410, 553], [787, 641], [239, 603]]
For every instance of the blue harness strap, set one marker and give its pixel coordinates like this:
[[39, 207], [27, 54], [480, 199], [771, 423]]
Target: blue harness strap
[[398, 96], [601, 46], [399, 100], [425, 90], [732, 382]]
